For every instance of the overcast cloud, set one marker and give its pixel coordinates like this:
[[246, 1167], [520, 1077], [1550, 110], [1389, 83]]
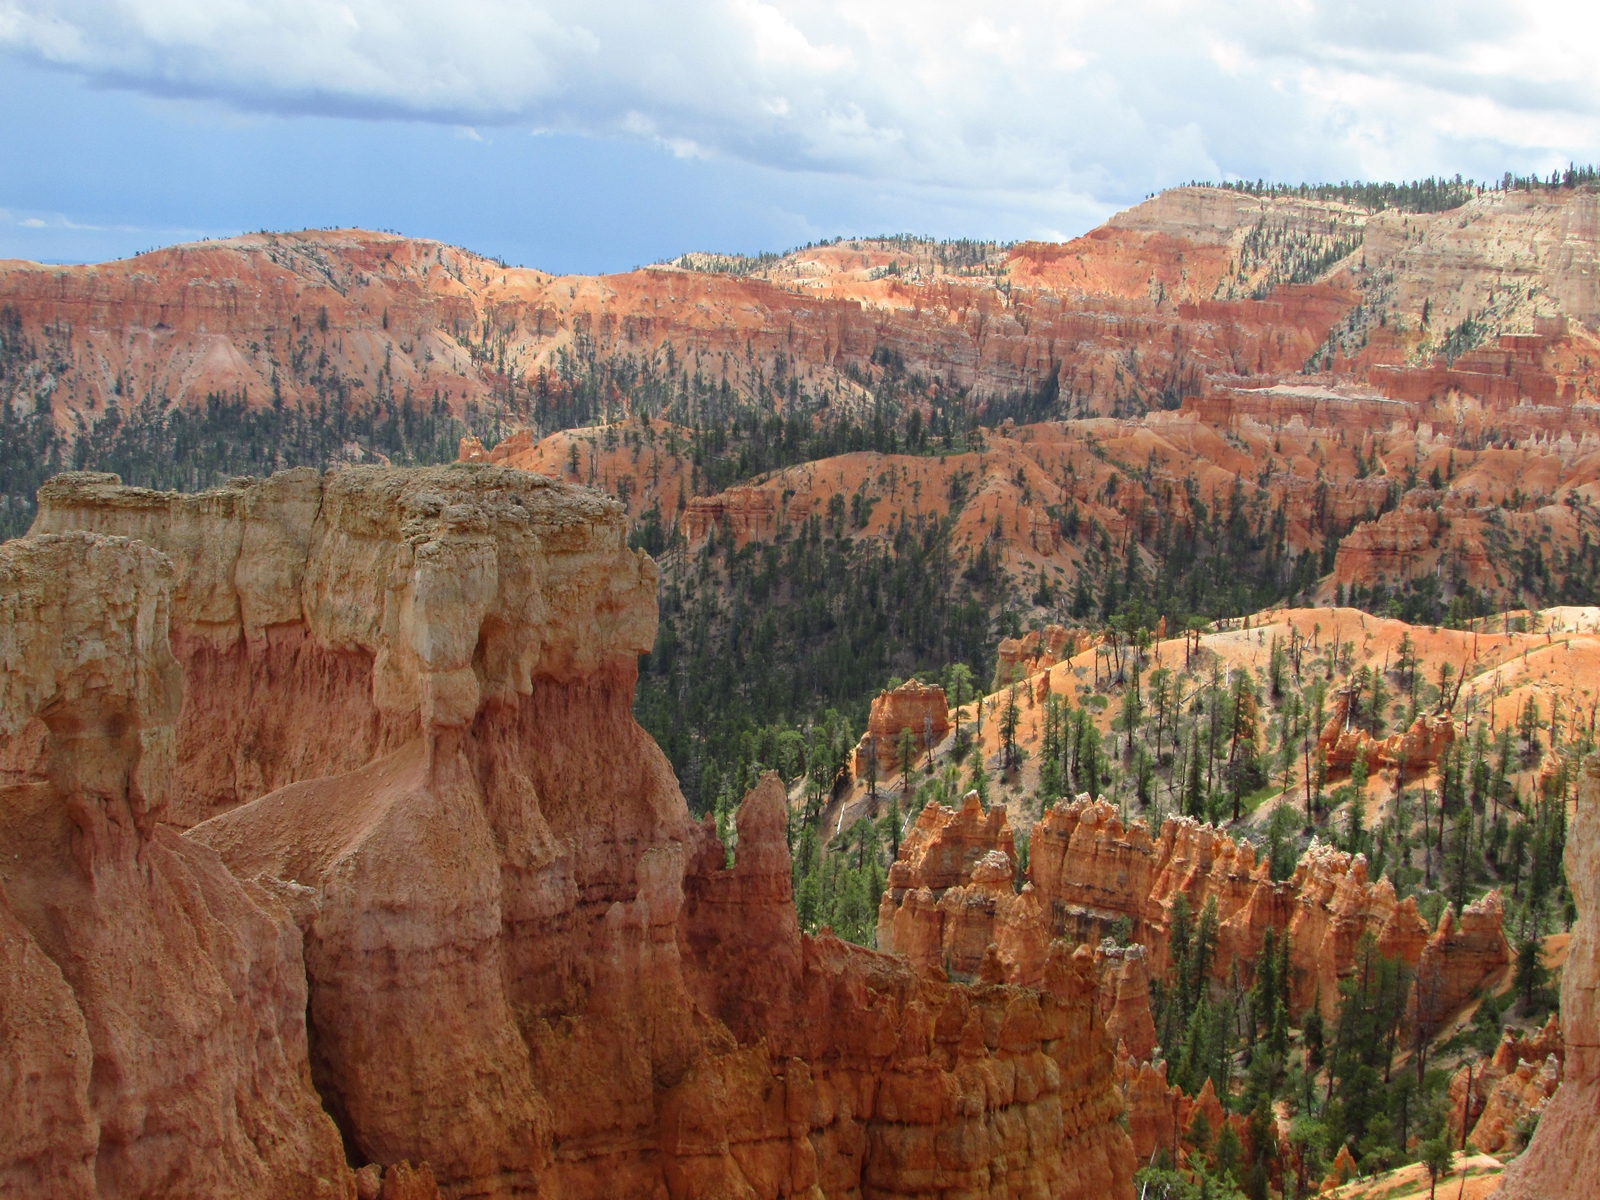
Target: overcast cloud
[[1054, 113], [1096, 99]]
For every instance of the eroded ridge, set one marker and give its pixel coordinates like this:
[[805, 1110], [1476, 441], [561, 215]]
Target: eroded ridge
[[396, 708]]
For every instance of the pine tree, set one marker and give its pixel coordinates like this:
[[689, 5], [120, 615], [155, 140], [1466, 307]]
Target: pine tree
[[1010, 717], [1194, 798]]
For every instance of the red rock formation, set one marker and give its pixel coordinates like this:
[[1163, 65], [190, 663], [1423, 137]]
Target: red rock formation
[[950, 890], [1087, 871], [1038, 650], [1155, 303], [1125, 1000], [1340, 1171], [1557, 1162], [1545, 1043], [1507, 1091], [1208, 1106], [944, 845], [1164, 280], [152, 1006], [1156, 1111], [1516, 1099], [742, 512], [527, 967], [399, 1182], [914, 706], [1463, 952], [1417, 749]]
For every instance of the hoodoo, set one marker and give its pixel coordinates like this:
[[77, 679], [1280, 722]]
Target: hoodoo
[[438, 899]]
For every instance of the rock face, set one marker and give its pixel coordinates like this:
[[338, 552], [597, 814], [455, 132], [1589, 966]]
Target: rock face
[[152, 1006], [1463, 952], [393, 714], [1510, 1090], [1036, 650], [1560, 1158], [912, 705], [1125, 999], [1417, 749], [1087, 872]]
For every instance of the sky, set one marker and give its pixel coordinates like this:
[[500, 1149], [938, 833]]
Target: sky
[[603, 134]]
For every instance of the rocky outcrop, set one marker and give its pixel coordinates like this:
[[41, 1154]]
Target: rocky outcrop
[[1340, 1171], [1087, 873], [913, 705], [152, 1006], [1499, 1099], [324, 621], [1515, 1101], [949, 886], [740, 512], [1390, 548], [1417, 749], [523, 965], [1157, 1112], [1556, 1163], [871, 1074], [1125, 999], [1037, 650], [1463, 952]]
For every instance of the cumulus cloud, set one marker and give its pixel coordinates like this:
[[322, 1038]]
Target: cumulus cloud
[[1050, 103]]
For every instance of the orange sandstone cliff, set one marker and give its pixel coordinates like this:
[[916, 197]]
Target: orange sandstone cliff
[[912, 706], [153, 1032], [437, 899]]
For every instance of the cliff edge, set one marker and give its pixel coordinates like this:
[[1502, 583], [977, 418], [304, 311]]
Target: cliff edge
[[462, 900]]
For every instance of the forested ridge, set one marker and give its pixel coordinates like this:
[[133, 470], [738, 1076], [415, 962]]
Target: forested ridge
[[151, 442]]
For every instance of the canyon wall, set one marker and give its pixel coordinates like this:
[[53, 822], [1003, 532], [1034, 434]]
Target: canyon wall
[[153, 1033], [1556, 1162], [289, 315], [466, 920]]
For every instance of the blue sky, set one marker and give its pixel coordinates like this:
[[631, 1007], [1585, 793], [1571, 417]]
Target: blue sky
[[598, 136]]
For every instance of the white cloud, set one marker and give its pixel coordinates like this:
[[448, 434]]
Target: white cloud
[[1049, 104], [58, 222]]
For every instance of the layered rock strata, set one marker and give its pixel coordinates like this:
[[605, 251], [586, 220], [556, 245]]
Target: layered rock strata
[[396, 707], [1558, 1159], [152, 1006], [1088, 873]]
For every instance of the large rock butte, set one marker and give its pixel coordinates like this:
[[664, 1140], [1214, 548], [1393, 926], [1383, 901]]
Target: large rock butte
[[437, 899]]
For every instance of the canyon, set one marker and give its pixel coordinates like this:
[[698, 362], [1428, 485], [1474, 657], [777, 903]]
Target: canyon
[[1181, 351], [340, 865], [471, 943]]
